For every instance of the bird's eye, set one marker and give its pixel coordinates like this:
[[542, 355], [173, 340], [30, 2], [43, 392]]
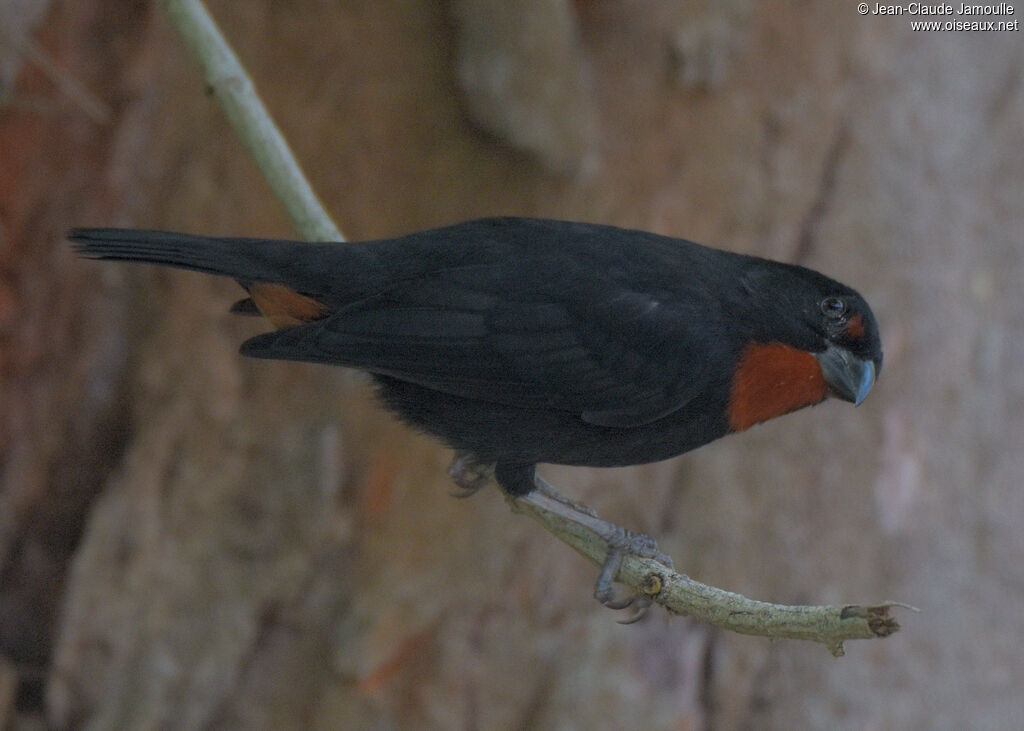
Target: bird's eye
[[833, 307]]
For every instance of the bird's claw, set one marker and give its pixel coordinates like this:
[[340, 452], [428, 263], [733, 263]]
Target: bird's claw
[[621, 543], [469, 475]]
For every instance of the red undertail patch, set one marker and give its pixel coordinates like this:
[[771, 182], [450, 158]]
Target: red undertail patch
[[285, 307], [773, 379]]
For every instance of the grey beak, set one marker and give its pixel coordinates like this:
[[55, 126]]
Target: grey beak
[[847, 376]]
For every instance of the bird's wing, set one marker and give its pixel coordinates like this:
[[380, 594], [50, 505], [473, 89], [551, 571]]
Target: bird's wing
[[586, 345]]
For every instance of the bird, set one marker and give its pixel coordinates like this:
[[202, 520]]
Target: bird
[[522, 341]]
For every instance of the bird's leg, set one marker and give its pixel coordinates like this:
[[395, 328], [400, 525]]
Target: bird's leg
[[619, 541], [545, 488], [470, 475]]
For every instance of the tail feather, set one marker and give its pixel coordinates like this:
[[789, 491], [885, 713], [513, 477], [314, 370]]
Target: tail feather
[[244, 259], [232, 257], [320, 271]]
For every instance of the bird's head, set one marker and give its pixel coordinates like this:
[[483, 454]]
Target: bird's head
[[852, 358], [808, 337]]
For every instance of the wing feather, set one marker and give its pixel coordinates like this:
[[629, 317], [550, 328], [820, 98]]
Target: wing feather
[[586, 345]]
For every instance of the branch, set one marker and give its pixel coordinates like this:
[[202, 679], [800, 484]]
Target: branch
[[233, 88], [680, 594], [677, 593]]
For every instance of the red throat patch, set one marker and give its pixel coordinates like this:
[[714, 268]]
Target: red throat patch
[[773, 379], [285, 307]]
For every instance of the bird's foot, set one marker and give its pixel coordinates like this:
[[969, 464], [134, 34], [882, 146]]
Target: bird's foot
[[469, 475], [620, 544]]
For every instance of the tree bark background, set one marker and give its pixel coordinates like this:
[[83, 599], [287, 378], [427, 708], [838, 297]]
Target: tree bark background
[[190, 539]]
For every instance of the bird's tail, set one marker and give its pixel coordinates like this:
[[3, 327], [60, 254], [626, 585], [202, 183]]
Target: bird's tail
[[244, 259]]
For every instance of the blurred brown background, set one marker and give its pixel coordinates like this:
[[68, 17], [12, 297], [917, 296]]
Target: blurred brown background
[[193, 540]]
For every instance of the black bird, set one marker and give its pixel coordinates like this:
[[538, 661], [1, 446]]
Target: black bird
[[519, 341]]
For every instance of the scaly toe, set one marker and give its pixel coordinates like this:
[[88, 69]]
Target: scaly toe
[[641, 604], [469, 475]]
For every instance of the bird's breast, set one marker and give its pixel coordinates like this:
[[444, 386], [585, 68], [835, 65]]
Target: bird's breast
[[773, 379]]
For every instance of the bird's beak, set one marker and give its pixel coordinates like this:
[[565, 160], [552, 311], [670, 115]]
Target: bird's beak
[[847, 376]]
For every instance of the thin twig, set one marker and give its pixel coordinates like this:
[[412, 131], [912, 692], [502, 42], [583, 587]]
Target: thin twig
[[676, 592], [680, 594], [233, 88]]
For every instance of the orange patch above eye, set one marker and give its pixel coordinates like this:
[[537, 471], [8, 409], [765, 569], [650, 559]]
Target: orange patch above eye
[[855, 327], [773, 379], [285, 307]]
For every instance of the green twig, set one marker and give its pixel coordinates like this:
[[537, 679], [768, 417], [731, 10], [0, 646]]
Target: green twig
[[233, 88], [680, 594]]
